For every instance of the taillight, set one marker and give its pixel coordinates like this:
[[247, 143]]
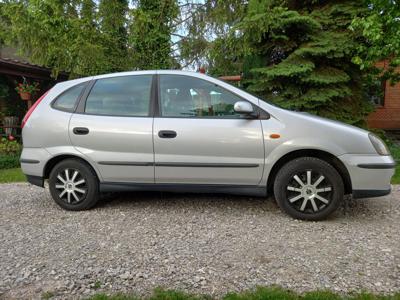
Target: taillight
[[30, 111]]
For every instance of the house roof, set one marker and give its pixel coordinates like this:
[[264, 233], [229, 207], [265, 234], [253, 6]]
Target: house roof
[[13, 64]]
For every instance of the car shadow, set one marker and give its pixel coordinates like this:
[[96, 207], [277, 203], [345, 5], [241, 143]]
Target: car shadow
[[222, 202], [188, 200]]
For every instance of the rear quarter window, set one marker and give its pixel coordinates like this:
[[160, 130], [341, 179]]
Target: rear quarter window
[[67, 101]]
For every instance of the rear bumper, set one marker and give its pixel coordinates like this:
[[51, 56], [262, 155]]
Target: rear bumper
[[357, 194], [33, 161], [370, 174], [35, 180]]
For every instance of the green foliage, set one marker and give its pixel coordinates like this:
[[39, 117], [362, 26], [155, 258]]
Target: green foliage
[[9, 161], [151, 33], [207, 26], [395, 151], [25, 87], [310, 55], [305, 55], [47, 295], [270, 293], [260, 293], [87, 37], [9, 147], [97, 285], [380, 29], [50, 33], [113, 20], [9, 154]]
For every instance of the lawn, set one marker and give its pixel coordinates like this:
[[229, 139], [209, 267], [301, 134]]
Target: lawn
[[11, 175], [261, 293], [395, 150]]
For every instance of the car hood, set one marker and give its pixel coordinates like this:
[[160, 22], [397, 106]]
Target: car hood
[[321, 133], [328, 122]]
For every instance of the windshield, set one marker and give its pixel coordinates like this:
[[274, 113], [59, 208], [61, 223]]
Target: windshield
[[248, 92]]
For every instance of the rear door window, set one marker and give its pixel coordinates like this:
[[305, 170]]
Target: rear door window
[[120, 96]]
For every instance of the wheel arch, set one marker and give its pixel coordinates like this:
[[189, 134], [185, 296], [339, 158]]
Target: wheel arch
[[56, 159], [323, 155]]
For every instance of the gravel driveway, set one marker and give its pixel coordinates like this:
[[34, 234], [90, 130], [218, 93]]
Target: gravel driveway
[[198, 243]]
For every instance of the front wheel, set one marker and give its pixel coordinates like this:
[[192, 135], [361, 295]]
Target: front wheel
[[74, 185], [308, 188]]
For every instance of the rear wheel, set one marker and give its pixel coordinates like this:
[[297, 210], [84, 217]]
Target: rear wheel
[[73, 185], [308, 188]]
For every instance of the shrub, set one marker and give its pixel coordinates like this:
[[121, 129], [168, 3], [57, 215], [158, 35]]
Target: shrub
[[9, 161], [9, 147], [9, 154]]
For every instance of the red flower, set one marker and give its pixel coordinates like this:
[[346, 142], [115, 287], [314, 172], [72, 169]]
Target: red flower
[[11, 138]]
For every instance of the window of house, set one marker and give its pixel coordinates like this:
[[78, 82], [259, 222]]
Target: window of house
[[120, 96], [376, 92]]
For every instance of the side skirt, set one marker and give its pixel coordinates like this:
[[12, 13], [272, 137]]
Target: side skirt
[[249, 190]]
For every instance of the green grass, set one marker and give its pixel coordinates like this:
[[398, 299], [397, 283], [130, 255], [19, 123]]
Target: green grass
[[395, 150], [396, 177], [47, 295], [11, 175], [261, 293]]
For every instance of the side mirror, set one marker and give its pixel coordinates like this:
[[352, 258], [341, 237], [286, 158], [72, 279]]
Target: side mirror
[[244, 107]]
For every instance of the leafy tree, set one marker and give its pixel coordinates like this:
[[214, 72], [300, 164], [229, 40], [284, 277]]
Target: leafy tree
[[113, 24], [53, 33], [91, 57], [207, 26], [150, 34], [380, 28]]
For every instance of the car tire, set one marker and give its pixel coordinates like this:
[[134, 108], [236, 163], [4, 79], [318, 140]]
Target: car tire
[[308, 188], [74, 185]]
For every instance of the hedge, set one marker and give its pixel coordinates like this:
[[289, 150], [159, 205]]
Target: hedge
[[9, 161]]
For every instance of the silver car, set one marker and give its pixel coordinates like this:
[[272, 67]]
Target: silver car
[[187, 132]]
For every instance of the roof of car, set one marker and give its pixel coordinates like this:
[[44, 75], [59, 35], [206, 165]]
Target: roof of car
[[176, 72], [68, 83]]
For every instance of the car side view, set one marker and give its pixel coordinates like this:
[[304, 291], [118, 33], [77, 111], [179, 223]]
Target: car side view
[[188, 132]]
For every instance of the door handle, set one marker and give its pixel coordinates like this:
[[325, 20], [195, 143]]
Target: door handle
[[80, 130], [167, 134]]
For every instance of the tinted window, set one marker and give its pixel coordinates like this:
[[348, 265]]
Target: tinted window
[[120, 96], [67, 100], [185, 96]]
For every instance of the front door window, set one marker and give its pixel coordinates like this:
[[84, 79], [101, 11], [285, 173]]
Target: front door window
[[185, 96]]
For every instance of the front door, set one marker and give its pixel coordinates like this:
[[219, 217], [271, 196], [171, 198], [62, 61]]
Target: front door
[[115, 130], [199, 139]]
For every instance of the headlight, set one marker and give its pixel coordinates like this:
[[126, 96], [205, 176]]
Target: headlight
[[378, 144]]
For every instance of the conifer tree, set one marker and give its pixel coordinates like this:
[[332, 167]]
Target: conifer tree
[[303, 54]]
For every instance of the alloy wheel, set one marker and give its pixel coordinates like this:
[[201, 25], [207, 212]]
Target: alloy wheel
[[71, 185], [309, 192]]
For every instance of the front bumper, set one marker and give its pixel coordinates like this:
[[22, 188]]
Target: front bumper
[[370, 174]]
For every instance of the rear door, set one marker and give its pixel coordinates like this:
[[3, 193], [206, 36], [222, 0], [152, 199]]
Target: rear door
[[114, 128], [199, 139]]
